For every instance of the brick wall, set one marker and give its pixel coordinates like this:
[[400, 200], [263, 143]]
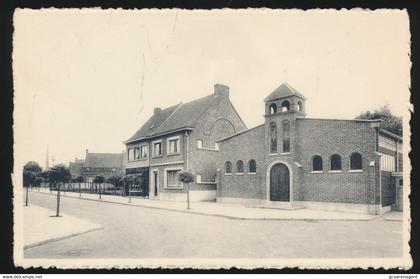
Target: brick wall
[[328, 137], [246, 146]]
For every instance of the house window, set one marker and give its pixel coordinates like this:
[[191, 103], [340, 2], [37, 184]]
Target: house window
[[144, 150], [316, 163], [286, 136], [273, 108], [252, 166], [335, 162], [198, 178], [239, 167], [273, 137], [355, 161], [228, 167], [172, 180], [157, 148], [130, 154], [136, 153], [199, 143], [173, 145], [299, 106], [285, 106]]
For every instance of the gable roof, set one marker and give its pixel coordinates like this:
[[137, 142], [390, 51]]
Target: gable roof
[[284, 90], [104, 160], [173, 118]]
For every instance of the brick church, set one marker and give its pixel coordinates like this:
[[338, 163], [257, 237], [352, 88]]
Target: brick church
[[290, 160]]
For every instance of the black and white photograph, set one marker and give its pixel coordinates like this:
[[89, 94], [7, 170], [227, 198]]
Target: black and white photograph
[[248, 138]]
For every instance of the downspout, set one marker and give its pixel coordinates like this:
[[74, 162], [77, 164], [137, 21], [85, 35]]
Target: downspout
[[187, 162], [398, 163]]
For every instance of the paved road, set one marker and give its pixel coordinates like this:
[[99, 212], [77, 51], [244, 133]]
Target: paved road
[[135, 232]]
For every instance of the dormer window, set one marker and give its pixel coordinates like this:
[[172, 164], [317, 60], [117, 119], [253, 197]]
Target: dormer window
[[285, 106], [273, 108]]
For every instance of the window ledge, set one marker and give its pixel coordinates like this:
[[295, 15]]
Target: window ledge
[[273, 154], [207, 149], [335, 171], [137, 160], [317, 171], [173, 154], [355, 171], [228, 174], [285, 153], [252, 173], [239, 173], [158, 156], [173, 188], [210, 182]]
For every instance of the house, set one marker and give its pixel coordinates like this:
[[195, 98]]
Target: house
[[76, 167], [292, 160], [183, 137], [104, 164]]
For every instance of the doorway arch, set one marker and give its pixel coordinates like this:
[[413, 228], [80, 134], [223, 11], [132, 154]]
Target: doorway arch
[[279, 182]]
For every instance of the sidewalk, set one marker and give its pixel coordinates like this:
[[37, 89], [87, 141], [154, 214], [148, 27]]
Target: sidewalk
[[232, 211], [40, 228]]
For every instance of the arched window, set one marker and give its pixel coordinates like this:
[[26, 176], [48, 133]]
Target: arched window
[[299, 106], [286, 136], [355, 161], [316, 163], [239, 166], [285, 106], [228, 167], [335, 162], [273, 108], [273, 137], [252, 166]]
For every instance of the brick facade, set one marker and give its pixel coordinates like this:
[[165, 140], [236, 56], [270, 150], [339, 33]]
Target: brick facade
[[308, 137]]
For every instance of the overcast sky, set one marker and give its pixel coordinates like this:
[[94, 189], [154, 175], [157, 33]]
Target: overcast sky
[[89, 79]]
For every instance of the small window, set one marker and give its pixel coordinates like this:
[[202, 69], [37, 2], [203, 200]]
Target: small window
[[130, 154], [252, 166], [199, 143], [157, 148], [239, 167], [198, 178], [316, 163], [273, 137], [286, 136], [299, 106], [172, 179], [335, 162], [136, 153], [228, 167], [273, 108], [173, 145], [285, 106], [355, 161], [144, 151], [216, 146]]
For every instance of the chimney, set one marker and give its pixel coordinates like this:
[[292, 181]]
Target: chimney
[[221, 90], [157, 111]]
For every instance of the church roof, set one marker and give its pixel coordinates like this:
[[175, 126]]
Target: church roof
[[104, 160], [181, 116], [284, 90]]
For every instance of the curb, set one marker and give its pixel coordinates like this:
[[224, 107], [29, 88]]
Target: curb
[[43, 242], [219, 215]]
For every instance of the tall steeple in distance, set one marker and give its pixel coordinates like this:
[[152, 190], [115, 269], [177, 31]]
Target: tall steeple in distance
[[47, 159]]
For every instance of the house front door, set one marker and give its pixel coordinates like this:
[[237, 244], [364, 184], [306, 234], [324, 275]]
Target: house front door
[[280, 183]]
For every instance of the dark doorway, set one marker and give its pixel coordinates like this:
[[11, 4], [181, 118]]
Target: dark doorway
[[155, 183], [280, 183]]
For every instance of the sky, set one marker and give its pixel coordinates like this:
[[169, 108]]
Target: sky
[[88, 79]]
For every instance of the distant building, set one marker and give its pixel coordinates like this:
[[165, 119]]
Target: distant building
[[76, 167], [183, 137], [105, 164]]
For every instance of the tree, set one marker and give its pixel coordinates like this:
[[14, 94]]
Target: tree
[[114, 180], [390, 122], [99, 179], [128, 181], [79, 179], [57, 175], [30, 172], [186, 177]]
